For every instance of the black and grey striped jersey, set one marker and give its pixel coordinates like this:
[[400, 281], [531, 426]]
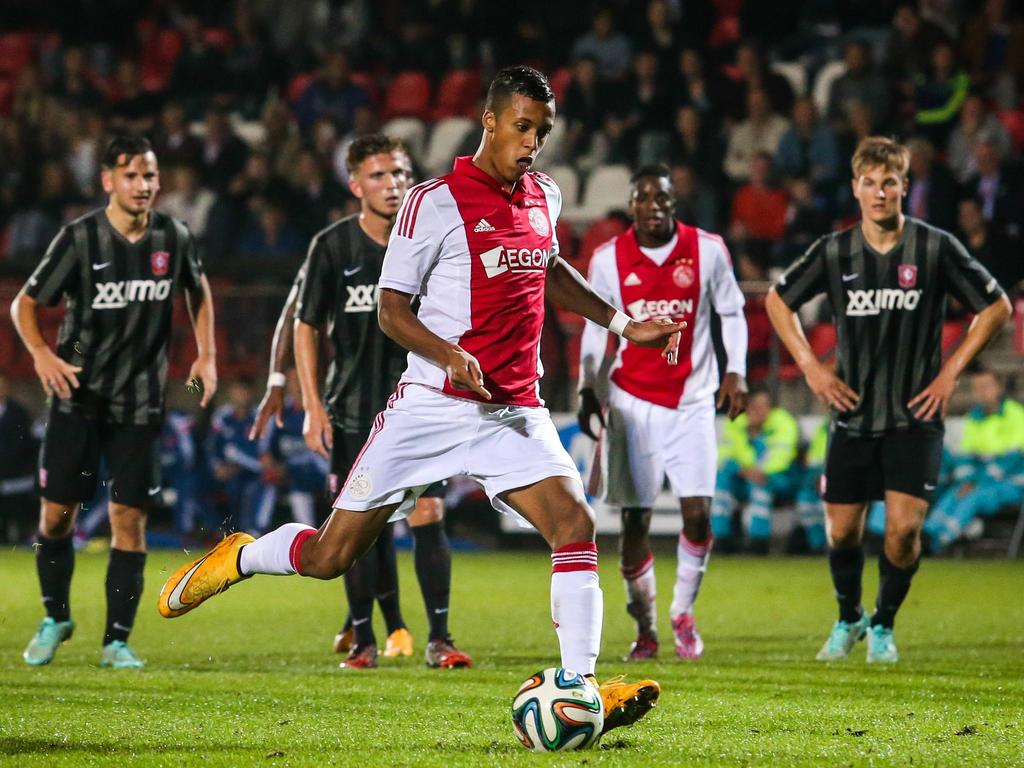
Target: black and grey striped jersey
[[889, 309], [118, 304], [340, 290]]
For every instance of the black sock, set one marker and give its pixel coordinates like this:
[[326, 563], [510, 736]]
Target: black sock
[[348, 623], [55, 562], [847, 567], [360, 588], [434, 571], [124, 590], [893, 586], [387, 580]]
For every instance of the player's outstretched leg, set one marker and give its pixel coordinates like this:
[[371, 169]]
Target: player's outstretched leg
[[558, 509], [637, 567], [846, 564], [292, 548]]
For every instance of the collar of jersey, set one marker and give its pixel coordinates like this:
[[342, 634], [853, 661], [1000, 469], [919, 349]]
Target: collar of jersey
[[639, 257], [465, 166]]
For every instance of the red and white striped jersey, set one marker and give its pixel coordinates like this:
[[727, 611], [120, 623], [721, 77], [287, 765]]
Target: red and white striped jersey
[[477, 258], [680, 281]]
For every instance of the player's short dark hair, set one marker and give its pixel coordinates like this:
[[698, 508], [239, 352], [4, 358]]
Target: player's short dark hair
[[128, 145], [369, 145], [521, 80], [655, 170]]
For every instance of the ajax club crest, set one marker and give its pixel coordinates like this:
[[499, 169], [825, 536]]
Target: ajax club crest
[[539, 222]]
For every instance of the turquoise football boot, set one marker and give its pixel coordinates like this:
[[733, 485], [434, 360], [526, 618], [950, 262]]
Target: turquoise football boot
[[47, 639]]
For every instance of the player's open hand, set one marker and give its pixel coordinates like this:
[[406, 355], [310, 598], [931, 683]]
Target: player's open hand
[[464, 372], [660, 332], [733, 390], [590, 407], [317, 431], [832, 391], [204, 370], [934, 399], [272, 404], [56, 375]]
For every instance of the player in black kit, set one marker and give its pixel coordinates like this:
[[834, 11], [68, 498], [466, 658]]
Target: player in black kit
[[337, 288], [886, 280], [117, 270]]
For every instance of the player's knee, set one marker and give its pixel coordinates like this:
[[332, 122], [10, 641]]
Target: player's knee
[[635, 522], [56, 520], [842, 536], [902, 535], [127, 527], [578, 524], [428, 510]]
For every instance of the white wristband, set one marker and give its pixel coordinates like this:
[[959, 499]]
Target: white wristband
[[276, 379], [619, 323]]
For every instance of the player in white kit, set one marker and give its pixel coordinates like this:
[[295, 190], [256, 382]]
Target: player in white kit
[[478, 248], [660, 419]]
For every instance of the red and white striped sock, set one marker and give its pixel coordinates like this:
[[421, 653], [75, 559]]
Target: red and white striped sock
[[577, 605], [692, 561], [275, 553], [641, 594]]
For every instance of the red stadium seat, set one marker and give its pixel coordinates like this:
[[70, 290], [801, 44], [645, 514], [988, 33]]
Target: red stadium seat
[[218, 37], [566, 241], [408, 95], [597, 234], [158, 59], [369, 84], [560, 80], [458, 95], [952, 332], [822, 338], [15, 51], [1013, 120], [6, 94], [298, 85]]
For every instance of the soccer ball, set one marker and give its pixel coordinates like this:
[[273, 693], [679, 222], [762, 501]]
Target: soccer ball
[[557, 709]]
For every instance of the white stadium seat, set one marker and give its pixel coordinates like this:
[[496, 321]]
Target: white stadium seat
[[445, 139], [795, 73], [823, 83], [411, 130], [606, 189], [568, 182]]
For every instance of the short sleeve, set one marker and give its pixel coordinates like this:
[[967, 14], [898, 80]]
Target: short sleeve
[[192, 268], [57, 273], [805, 278], [553, 196], [317, 283], [967, 279], [415, 243], [726, 295]]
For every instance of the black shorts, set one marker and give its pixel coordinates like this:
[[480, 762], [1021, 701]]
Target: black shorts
[[69, 460], [860, 469], [347, 446]]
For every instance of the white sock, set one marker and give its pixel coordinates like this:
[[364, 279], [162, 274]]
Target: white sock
[[641, 594], [692, 561], [577, 605], [277, 552]]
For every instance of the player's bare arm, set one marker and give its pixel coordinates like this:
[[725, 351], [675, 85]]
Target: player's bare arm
[[56, 375], [567, 288], [734, 392], [399, 322], [272, 403], [200, 309], [934, 399], [316, 428], [827, 387]]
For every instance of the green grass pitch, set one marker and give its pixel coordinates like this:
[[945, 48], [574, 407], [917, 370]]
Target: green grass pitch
[[249, 679]]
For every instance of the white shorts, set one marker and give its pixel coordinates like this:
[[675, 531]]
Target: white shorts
[[643, 442], [423, 437]]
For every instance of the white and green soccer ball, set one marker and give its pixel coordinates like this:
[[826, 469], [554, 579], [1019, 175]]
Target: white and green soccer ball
[[557, 709]]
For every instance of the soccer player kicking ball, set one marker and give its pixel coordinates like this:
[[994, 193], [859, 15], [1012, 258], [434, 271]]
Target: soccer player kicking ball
[[886, 280], [337, 288], [478, 247], [117, 269], [661, 419]]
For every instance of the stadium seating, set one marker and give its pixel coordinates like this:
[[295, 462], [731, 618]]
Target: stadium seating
[[15, 52], [795, 73], [568, 182], [408, 95], [458, 95], [158, 59], [411, 130], [601, 231], [445, 139], [822, 89], [605, 191], [560, 80], [298, 85]]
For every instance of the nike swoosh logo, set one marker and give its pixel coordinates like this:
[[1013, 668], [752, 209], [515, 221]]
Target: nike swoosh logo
[[122, 627], [350, 272], [104, 265], [154, 491], [929, 487], [440, 610], [174, 599], [848, 278]]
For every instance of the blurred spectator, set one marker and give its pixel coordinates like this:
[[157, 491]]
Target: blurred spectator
[[860, 84], [760, 132], [810, 509], [18, 506], [932, 194], [269, 235], [908, 52], [317, 198], [697, 145], [76, 85], [133, 110], [993, 47], [610, 48], [997, 186], [938, 99], [976, 121], [281, 140], [187, 200], [332, 95], [199, 70], [660, 34], [87, 134], [756, 75], [29, 99], [643, 108], [696, 204], [585, 106], [247, 72], [181, 471], [33, 228], [707, 92], [223, 152], [809, 148], [1000, 255], [173, 143], [805, 221], [759, 211]]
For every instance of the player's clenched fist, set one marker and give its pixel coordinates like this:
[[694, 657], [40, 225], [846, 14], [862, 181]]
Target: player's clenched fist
[[464, 372]]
